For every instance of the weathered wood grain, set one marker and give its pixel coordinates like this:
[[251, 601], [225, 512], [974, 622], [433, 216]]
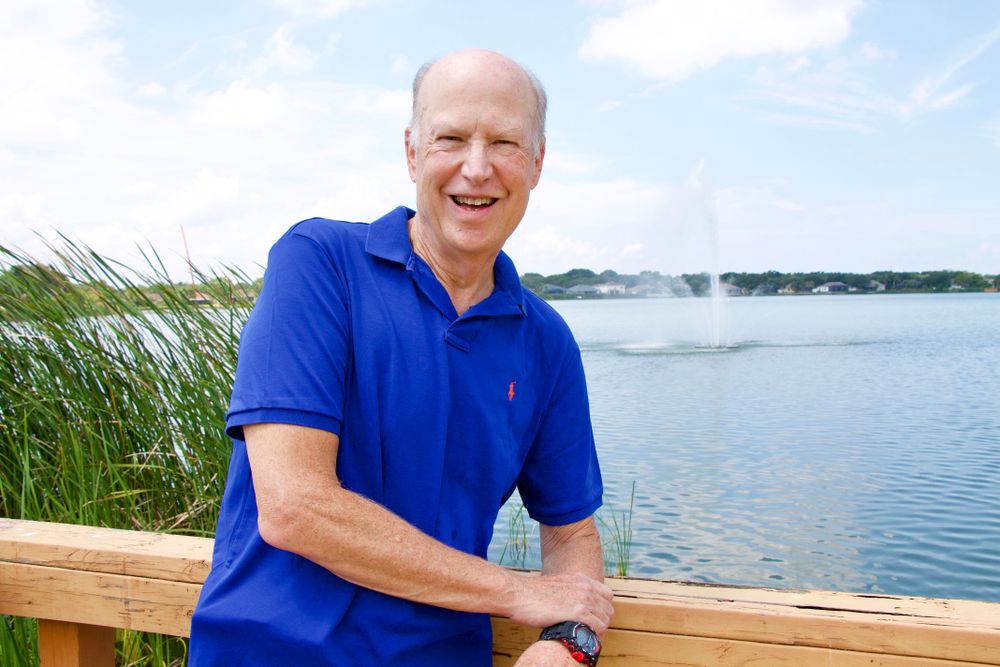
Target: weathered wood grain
[[70, 575]]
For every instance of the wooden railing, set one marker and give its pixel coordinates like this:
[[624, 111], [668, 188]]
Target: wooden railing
[[83, 582]]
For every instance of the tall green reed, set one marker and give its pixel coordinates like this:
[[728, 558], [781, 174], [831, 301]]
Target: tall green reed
[[113, 388], [614, 526], [617, 539]]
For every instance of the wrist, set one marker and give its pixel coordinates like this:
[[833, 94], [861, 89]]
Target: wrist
[[548, 653], [509, 592], [579, 640]]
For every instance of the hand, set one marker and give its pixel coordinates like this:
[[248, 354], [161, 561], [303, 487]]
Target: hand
[[547, 600], [546, 654]]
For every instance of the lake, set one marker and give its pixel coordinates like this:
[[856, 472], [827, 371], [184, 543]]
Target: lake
[[841, 442]]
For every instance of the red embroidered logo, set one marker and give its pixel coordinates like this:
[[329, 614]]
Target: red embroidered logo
[[510, 391]]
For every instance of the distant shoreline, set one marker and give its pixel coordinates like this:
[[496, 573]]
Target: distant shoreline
[[584, 283], [628, 297]]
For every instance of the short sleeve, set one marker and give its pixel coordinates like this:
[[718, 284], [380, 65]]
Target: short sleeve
[[294, 350], [561, 480]]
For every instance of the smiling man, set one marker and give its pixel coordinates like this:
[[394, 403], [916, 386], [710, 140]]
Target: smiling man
[[394, 386]]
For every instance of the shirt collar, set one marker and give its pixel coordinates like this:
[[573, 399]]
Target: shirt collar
[[389, 238]]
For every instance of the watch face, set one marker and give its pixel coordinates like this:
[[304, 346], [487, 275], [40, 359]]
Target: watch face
[[586, 640]]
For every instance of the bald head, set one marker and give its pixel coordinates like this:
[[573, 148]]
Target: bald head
[[486, 64]]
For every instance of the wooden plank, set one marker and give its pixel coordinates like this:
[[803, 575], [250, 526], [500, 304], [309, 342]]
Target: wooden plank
[[626, 648], [157, 555], [150, 582], [918, 636], [113, 600], [956, 612], [62, 644]]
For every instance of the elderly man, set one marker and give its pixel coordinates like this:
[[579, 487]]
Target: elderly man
[[394, 385]]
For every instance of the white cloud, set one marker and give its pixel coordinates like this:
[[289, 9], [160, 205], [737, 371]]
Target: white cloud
[[928, 94], [380, 102], [236, 152], [283, 53], [593, 224], [320, 8], [631, 226], [194, 201], [47, 82], [401, 65], [670, 41], [20, 207], [841, 92], [241, 104], [993, 132], [362, 193], [151, 89], [569, 162], [871, 51], [332, 41]]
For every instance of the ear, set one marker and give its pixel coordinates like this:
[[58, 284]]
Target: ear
[[411, 155], [539, 158]]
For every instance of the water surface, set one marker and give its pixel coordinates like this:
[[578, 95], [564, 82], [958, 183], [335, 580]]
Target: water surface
[[841, 442]]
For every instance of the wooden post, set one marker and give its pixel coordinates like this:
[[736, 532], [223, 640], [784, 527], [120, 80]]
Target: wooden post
[[62, 644]]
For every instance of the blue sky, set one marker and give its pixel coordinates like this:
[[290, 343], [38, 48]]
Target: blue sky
[[682, 136]]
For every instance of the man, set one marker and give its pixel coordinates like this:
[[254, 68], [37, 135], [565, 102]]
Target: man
[[394, 385]]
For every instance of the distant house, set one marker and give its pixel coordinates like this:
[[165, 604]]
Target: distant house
[[610, 288], [829, 288], [549, 288], [876, 285], [243, 296], [729, 289], [647, 290], [200, 299], [787, 289], [583, 290]]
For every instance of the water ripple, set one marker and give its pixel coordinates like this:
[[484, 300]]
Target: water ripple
[[844, 443]]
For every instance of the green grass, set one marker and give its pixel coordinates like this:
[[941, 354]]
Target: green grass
[[113, 389], [617, 538], [520, 550]]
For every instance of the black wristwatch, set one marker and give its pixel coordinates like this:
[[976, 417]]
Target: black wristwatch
[[582, 642]]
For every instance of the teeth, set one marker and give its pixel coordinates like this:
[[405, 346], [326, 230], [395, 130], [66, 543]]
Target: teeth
[[474, 201]]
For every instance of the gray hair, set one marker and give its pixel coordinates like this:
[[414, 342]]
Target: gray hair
[[538, 117]]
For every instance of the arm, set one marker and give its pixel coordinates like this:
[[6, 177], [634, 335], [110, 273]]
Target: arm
[[303, 509], [573, 548]]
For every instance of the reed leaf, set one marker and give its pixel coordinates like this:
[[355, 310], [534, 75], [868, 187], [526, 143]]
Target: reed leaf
[[113, 389]]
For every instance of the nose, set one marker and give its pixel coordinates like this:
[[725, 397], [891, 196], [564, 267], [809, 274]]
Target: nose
[[476, 167]]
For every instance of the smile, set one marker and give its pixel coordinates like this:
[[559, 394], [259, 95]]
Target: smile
[[473, 202]]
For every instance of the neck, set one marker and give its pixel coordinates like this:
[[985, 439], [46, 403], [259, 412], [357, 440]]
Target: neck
[[467, 279]]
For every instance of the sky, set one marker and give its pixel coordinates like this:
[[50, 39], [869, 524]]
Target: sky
[[750, 135]]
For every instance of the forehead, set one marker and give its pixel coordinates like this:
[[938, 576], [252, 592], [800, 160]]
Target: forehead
[[499, 95]]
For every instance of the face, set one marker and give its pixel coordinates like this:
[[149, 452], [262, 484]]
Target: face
[[472, 158]]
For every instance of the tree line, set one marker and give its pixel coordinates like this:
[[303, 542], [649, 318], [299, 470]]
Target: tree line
[[14, 277], [768, 282]]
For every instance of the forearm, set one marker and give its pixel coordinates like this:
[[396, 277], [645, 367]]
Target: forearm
[[366, 544], [573, 548], [302, 508]]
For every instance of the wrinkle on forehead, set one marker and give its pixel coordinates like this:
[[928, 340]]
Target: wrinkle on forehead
[[478, 77]]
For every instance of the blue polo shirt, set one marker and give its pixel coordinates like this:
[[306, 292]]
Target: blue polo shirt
[[440, 417]]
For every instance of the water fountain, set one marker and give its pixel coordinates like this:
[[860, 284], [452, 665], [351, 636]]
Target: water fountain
[[702, 202]]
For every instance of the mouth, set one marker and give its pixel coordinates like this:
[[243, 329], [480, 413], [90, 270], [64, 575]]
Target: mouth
[[473, 203]]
